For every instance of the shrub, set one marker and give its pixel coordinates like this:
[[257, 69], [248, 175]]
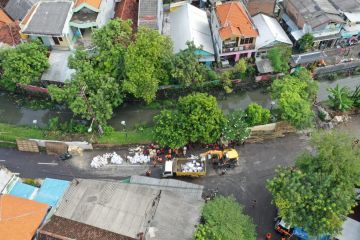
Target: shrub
[[257, 115]]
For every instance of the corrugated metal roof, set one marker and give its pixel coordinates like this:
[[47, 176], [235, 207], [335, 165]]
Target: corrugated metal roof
[[317, 12], [23, 190], [58, 70], [129, 209], [347, 5], [48, 18], [191, 190], [308, 57], [51, 191], [189, 23], [270, 31], [353, 17], [17, 9], [5, 177]]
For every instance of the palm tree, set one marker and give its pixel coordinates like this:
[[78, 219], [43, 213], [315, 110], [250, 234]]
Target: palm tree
[[340, 98]]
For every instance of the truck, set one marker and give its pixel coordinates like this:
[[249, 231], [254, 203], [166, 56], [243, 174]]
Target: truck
[[183, 167], [222, 158]]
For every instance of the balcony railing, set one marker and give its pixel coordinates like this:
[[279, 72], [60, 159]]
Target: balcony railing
[[236, 49]]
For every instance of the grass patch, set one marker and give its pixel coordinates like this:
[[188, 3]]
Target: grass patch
[[9, 133], [132, 137]]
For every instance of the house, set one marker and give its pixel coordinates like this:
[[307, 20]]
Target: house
[[20, 218], [17, 9], [350, 10], [260, 6], [59, 71], [9, 30], [189, 23], [127, 10], [89, 14], [318, 17], [24, 190], [271, 34], [305, 59], [151, 14], [124, 211], [234, 33], [48, 21]]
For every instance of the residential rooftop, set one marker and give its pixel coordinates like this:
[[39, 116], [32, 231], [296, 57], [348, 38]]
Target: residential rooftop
[[131, 209], [17, 9], [317, 12], [20, 218], [47, 18], [234, 21]]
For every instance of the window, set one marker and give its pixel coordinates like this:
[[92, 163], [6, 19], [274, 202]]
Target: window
[[60, 39], [246, 41], [56, 40]]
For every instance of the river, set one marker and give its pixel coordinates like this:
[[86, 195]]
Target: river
[[11, 113]]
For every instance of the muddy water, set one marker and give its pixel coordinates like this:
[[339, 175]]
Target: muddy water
[[133, 116]]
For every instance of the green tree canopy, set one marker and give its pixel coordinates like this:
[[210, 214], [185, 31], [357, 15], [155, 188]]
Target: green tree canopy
[[147, 63], [257, 115], [236, 128], [224, 219], [295, 94], [279, 58], [318, 193], [197, 118], [295, 109], [23, 64], [187, 70], [204, 118], [306, 42], [169, 129], [96, 87]]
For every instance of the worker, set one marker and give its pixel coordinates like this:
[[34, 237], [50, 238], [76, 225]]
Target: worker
[[184, 150], [154, 163], [148, 173], [268, 236]]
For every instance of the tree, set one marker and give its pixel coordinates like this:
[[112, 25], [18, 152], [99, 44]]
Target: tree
[[146, 64], [318, 193], [224, 219], [204, 118], [295, 109], [236, 128], [96, 87], [300, 82], [240, 69], [279, 58], [340, 98], [197, 118], [226, 82], [90, 94], [23, 64], [111, 42], [305, 43], [187, 70], [169, 130], [295, 94], [257, 115]]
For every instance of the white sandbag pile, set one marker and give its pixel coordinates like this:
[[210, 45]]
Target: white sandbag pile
[[105, 159], [138, 158], [193, 157], [193, 166]]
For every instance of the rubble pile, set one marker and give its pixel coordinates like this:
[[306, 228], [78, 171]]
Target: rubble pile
[[105, 159], [193, 166]]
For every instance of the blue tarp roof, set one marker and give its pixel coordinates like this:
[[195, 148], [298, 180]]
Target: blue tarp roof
[[302, 235], [23, 190], [51, 191]]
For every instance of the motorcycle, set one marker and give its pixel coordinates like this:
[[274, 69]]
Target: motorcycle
[[65, 156]]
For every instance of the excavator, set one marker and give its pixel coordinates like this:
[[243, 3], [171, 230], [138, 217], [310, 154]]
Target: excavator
[[227, 158]]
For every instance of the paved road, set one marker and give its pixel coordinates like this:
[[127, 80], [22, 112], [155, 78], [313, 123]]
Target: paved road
[[246, 182]]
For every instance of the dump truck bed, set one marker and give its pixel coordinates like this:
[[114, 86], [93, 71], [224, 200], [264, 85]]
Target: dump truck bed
[[189, 168]]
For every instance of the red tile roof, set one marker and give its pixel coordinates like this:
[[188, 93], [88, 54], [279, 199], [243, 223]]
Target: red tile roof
[[127, 9], [234, 21], [9, 33], [92, 3], [4, 18], [59, 228]]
